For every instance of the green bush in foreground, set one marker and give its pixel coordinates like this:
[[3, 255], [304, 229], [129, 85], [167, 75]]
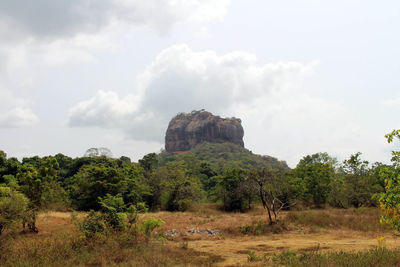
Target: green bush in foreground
[[149, 225]]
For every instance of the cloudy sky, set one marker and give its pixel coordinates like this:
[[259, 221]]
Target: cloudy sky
[[305, 76]]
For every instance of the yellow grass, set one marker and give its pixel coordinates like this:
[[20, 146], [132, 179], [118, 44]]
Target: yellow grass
[[233, 246]]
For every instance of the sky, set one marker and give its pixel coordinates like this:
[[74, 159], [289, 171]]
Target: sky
[[305, 76]]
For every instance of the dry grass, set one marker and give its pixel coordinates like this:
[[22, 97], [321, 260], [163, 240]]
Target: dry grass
[[59, 244], [311, 231], [208, 217], [362, 219]]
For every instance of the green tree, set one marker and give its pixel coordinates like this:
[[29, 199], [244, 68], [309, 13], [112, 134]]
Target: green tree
[[359, 184], [207, 176], [40, 187], [313, 175], [149, 162], [64, 166], [389, 200], [13, 206], [176, 186], [235, 190], [8, 167], [106, 177], [338, 196]]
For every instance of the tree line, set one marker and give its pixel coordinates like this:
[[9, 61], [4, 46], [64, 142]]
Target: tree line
[[175, 183]]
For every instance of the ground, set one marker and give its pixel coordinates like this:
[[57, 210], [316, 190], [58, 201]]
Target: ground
[[313, 230]]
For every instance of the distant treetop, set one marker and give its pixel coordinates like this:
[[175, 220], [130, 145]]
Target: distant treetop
[[97, 152]]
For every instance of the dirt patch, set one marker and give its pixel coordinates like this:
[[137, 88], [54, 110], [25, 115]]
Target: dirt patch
[[233, 252]]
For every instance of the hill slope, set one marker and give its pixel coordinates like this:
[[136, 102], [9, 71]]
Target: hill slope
[[222, 156]]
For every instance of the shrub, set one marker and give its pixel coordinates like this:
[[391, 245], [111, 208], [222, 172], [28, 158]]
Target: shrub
[[92, 224], [113, 207], [133, 211], [149, 225]]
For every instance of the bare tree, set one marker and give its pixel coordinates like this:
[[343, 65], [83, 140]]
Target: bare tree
[[270, 189]]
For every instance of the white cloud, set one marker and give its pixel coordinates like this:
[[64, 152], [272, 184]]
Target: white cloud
[[106, 109], [15, 112], [180, 79], [390, 103]]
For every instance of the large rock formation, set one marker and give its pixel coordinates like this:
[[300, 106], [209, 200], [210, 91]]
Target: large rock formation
[[185, 131]]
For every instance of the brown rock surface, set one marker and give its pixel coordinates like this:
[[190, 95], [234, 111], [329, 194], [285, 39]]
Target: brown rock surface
[[186, 130]]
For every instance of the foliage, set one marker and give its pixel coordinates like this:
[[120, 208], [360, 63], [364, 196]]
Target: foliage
[[149, 162], [8, 169], [133, 211], [13, 206], [338, 196], [113, 217], [94, 181], [112, 203], [235, 190], [390, 199], [174, 187], [113, 208], [312, 177], [92, 224], [184, 189], [359, 184], [40, 184], [221, 157], [149, 225]]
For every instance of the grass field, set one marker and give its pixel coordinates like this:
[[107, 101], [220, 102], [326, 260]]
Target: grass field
[[326, 237]]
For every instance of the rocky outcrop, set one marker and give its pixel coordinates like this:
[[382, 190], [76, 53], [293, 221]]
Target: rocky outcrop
[[186, 130]]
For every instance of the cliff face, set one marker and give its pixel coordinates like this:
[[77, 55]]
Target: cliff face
[[185, 131]]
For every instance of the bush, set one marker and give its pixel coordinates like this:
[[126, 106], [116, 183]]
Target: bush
[[133, 211], [113, 207], [92, 224], [149, 225]]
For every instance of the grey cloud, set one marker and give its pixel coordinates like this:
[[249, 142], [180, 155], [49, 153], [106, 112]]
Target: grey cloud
[[49, 18], [65, 18]]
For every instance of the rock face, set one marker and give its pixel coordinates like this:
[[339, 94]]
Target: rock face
[[186, 130]]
